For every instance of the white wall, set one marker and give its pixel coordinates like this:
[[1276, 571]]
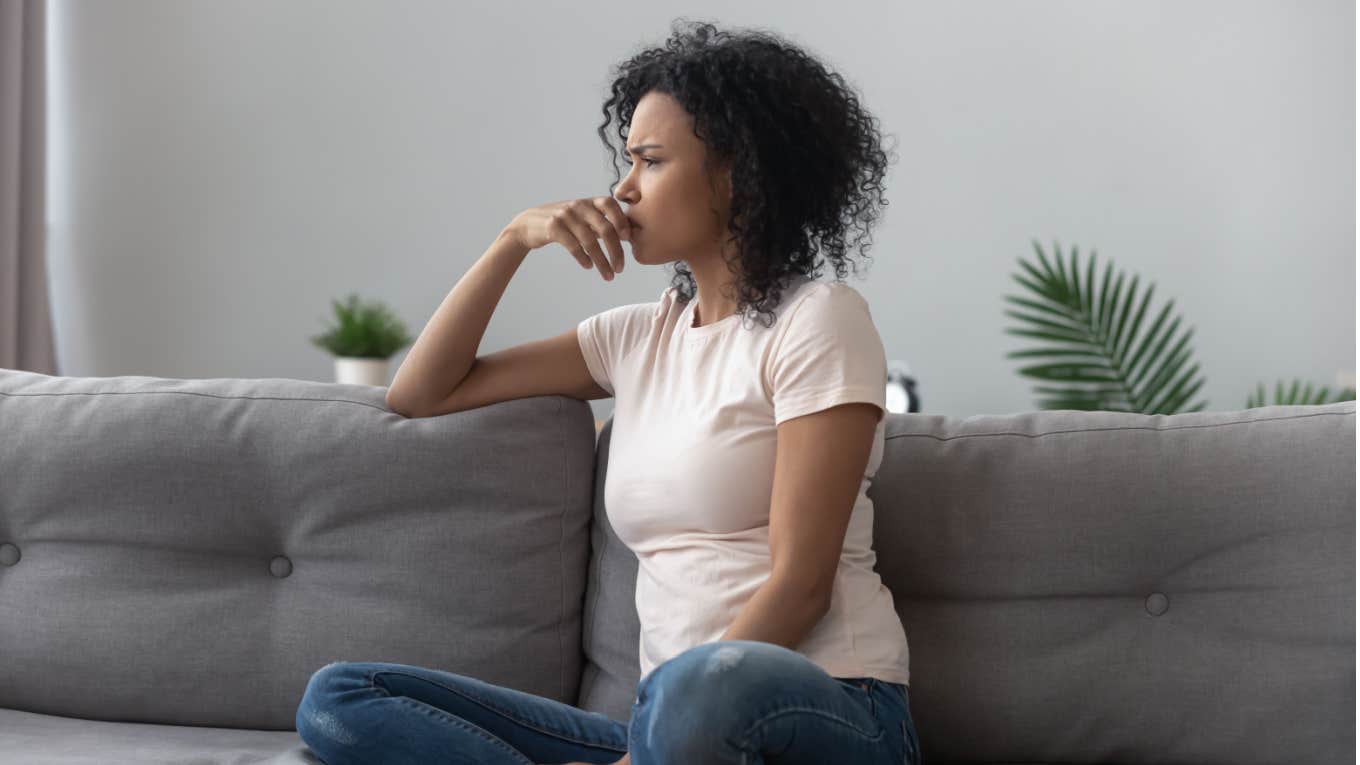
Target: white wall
[[221, 171]]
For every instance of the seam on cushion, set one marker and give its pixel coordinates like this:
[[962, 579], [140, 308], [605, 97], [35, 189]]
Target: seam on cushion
[[195, 393], [604, 546], [1121, 427], [561, 556]]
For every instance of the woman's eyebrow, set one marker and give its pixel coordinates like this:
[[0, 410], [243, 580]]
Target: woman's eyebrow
[[637, 149]]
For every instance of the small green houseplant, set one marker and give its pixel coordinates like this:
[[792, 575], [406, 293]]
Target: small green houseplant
[[1098, 360], [362, 339]]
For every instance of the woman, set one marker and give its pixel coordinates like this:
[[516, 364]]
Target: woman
[[766, 635]]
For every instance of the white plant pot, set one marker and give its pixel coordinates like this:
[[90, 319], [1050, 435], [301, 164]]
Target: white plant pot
[[359, 371]]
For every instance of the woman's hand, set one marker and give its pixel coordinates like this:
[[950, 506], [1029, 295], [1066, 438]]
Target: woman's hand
[[578, 225]]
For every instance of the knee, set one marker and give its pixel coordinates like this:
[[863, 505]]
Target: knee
[[325, 681], [725, 676], [318, 720], [732, 662], [710, 694]]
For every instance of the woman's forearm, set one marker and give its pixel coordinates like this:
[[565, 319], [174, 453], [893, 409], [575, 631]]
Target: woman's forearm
[[445, 351]]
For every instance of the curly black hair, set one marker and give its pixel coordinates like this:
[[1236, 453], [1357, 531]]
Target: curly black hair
[[804, 156]]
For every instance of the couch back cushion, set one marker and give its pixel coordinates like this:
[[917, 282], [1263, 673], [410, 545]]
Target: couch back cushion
[[191, 551], [1092, 586]]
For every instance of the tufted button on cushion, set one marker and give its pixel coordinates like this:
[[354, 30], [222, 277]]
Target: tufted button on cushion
[[280, 566]]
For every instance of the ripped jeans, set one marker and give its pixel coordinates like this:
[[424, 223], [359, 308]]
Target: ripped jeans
[[733, 702]]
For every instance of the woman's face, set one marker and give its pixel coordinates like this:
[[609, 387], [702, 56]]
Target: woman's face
[[676, 215]]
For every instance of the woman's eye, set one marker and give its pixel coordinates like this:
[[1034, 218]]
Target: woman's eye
[[649, 162]]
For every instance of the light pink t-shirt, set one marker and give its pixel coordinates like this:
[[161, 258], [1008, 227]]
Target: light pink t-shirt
[[691, 464]]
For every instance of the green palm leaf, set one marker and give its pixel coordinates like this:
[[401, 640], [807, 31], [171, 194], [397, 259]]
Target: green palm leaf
[[1093, 347], [1294, 395]]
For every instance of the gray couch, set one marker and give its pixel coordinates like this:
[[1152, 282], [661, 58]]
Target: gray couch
[[177, 557]]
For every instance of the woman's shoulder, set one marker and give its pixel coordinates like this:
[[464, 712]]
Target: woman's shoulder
[[815, 299]]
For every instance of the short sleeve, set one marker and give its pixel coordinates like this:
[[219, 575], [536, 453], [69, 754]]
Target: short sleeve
[[606, 338], [828, 354]]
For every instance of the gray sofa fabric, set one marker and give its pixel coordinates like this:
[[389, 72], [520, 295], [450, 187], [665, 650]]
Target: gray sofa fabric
[[178, 556], [191, 551], [28, 738]]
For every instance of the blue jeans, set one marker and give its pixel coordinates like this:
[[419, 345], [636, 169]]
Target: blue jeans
[[733, 702]]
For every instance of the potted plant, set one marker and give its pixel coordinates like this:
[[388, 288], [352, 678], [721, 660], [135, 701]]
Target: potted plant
[[362, 340], [1097, 357]]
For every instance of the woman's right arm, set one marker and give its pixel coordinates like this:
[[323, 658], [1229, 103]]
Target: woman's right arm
[[446, 350]]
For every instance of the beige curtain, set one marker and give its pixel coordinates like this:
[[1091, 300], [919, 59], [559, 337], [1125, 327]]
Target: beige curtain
[[26, 340]]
